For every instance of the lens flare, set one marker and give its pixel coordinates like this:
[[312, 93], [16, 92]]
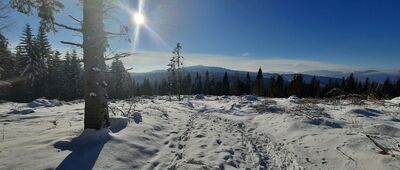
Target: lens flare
[[139, 18]]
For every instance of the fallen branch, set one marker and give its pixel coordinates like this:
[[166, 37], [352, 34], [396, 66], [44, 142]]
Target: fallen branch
[[384, 150], [340, 151]]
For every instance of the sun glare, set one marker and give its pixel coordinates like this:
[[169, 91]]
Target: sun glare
[[139, 18]]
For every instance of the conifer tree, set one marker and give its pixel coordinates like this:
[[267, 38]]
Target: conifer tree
[[238, 86], [387, 88], [248, 84], [207, 84], [225, 85], [54, 75], [280, 86], [296, 86], [188, 84], [314, 87], [6, 60], [213, 87], [175, 68], [119, 83], [163, 87], [351, 84], [259, 88], [31, 64], [146, 88], [198, 85], [7, 69]]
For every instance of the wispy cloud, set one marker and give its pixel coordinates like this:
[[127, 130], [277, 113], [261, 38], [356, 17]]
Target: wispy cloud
[[147, 61]]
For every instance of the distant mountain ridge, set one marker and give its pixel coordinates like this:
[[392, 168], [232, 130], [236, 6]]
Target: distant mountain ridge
[[373, 75], [323, 75]]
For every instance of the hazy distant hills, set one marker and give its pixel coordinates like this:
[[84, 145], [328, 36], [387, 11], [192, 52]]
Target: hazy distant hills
[[218, 72], [373, 75]]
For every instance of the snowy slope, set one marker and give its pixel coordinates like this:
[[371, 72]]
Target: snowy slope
[[213, 133]]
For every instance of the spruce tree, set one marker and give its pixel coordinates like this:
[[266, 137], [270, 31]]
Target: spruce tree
[[387, 88], [280, 85], [351, 84], [397, 88], [297, 86], [207, 84], [314, 87], [7, 70], [6, 60], [213, 87], [259, 88], [198, 85], [238, 86], [31, 64], [225, 85], [248, 84], [54, 75]]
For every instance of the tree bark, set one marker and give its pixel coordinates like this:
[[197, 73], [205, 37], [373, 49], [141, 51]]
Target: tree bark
[[94, 43]]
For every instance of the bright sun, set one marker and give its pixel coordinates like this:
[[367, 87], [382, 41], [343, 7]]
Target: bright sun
[[139, 18]]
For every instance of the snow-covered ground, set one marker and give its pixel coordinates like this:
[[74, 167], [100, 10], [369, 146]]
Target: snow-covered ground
[[204, 133]]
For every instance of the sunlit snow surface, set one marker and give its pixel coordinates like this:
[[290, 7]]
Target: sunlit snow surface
[[203, 133]]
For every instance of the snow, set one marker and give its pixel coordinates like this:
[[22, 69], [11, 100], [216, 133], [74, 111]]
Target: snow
[[229, 132], [395, 100]]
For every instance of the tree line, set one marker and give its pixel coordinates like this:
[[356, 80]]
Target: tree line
[[35, 70], [276, 86]]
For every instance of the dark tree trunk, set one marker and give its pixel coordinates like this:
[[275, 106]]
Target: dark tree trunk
[[94, 42]]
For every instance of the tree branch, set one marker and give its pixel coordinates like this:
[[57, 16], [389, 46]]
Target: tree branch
[[68, 27], [71, 43], [121, 55], [77, 20]]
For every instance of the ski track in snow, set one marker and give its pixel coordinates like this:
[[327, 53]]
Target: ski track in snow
[[212, 133]]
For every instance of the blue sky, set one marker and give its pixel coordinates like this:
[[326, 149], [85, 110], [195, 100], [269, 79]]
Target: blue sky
[[345, 34]]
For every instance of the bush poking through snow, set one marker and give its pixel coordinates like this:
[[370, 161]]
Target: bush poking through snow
[[137, 117], [44, 103], [199, 97], [250, 98]]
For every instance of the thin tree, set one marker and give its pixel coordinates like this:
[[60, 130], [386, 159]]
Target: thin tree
[[175, 69]]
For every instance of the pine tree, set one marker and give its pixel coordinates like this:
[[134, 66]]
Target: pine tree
[[259, 88], [198, 85], [207, 84], [175, 69], [7, 69], [118, 83], [314, 87], [225, 84], [280, 86], [213, 87], [387, 88], [272, 88], [248, 84], [296, 86], [188, 84], [351, 84], [163, 87], [6, 60], [54, 75], [397, 88], [366, 86], [146, 87], [31, 64], [238, 86]]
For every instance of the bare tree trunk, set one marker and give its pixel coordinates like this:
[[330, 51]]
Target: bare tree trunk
[[94, 43]]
